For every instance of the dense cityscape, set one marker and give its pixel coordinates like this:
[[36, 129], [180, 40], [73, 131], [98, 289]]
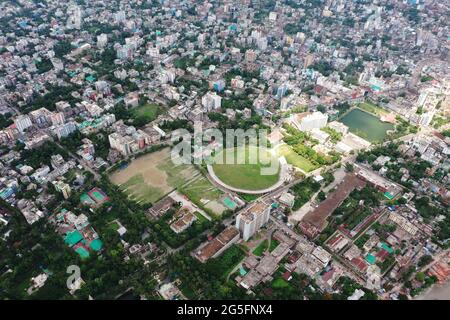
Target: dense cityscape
[[354, 97]]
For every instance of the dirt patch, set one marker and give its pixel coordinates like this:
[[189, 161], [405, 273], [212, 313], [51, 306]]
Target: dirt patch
[[149, 177], [216, 207], [145, 166]]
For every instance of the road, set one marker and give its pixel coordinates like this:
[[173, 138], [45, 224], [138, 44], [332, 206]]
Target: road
[[83, 163]]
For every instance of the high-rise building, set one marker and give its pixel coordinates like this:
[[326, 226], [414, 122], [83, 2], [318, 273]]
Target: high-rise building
[[281, 91], [211, 101], [74, 17], [314, 120], [102, 40], [64, 130], [250, 221], [125, 52], [57, 118], [250, 55], [22, 122], [123, 144], [62, 187]]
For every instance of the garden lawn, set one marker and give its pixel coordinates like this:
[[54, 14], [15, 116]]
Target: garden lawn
[[273, 244], [372, 108], [260, 248], [147, 112], [280, 283], [295, 159]]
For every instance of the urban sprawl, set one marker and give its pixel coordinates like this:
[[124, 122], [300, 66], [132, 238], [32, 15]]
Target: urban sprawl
[[354, 95]]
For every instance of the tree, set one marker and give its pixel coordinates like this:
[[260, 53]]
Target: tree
[[349, 167], [321, 196], [424, 260], [321, 108], [420, 276]]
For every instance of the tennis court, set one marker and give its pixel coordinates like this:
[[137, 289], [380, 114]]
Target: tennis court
[[85, 199], [230, 204], [98, 195], [72, 238], [82, 252]]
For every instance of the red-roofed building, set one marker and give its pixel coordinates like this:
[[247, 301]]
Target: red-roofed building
[[287, 276], [381, 255], [360, 264], [328, 275]]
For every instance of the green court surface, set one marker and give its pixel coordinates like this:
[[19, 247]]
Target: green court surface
[[230, 204], [370, 259], [82, 252], [388, 195], [84, 198], [73, 238], [96, 244], [98, 195], [387, 248]]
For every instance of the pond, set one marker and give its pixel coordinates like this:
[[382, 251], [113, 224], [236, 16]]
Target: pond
[[366, 125]]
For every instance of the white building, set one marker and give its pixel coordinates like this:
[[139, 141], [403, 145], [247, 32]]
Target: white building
[[64, 130], [425, 118], [211, 101], [102, 40], [339, 127], [75, 18], [315, 120], [120, 143], [37, 283], [358, 294], [22, 122], [57, 118], [251, 220], [319, 135]]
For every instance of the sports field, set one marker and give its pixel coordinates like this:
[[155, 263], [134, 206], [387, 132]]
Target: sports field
[[245, 176], [148, 178], [146, 113]]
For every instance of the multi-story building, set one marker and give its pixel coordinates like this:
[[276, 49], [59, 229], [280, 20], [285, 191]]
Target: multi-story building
[[339, 127], [217, 85], [120, 143], [64, 130], [250, 55], [314, 120], [252, 219], [22, 122], [211, 101], [57, 118], [87, 150], [41, 117], [62, 187], [102, 40]]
